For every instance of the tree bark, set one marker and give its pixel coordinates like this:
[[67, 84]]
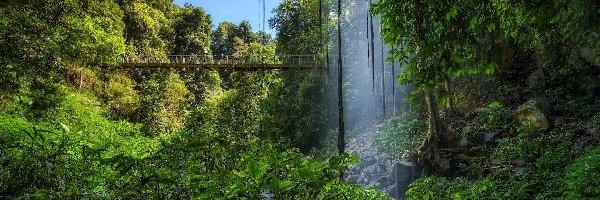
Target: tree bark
[[429, 150], [450, 101]]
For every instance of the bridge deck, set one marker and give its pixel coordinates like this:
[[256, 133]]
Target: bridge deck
[[297, 62]]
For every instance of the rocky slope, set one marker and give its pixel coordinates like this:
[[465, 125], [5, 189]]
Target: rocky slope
[[376, 170]]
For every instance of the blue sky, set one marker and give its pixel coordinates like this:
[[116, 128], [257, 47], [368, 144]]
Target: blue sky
[[236, 10]]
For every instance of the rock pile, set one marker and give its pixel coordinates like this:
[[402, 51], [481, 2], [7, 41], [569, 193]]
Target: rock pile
[[378, 171]]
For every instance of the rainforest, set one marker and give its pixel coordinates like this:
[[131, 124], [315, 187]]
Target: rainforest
[[324, 99]]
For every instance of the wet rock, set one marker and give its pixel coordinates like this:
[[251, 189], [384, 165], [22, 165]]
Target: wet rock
[[267, 194], [383, 185], [529, 111], [384, 180], [368, 162], [375, 170], [381, 168], [352, 152], [402, 170], [393, 192], [352, 179]]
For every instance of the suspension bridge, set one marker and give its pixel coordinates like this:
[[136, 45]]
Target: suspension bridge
[[230, 62]]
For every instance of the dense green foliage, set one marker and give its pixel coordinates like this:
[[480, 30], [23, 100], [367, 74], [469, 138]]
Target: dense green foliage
[[74, 127], [579, 180], [479, 63], [400, 135], [510, 90]]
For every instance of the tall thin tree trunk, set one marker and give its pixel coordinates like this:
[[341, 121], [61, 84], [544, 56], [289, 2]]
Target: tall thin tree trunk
[[383, 96], [80, 77], [369, 49], [372, 47], [341, 132], [393, 85]]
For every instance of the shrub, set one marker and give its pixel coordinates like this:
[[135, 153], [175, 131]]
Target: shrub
[[581, 178], [122, 98], [461, 188], [44, 96], [83, 78], [493, 118], [400, 134], [286, 175], [427, 188], [163, 96]]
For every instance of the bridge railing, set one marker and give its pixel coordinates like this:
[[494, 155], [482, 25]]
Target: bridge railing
[[285, 60]]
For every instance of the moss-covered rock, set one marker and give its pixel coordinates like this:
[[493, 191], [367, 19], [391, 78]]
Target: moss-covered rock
[[530, 113]]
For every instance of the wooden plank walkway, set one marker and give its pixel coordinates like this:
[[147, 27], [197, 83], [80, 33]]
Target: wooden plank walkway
[[284, 62]]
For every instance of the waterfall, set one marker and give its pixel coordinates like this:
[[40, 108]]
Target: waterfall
[[370, 95]]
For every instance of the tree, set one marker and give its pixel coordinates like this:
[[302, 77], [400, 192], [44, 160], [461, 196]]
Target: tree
[[193, 37], [245, 31], [143, 27], [298, 27], [563, 35], [436, 40], [40, 39], [222, 38], [192, 30]]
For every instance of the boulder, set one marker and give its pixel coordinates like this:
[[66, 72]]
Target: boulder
[[518, 161], [489, 137], [536, 79], [445, 164], [384, 179], [383, 185], [496, 161], [543, 103], [464, 141], [592, 131], [394, 192], [368, 162], [530, 111], [402, 171], [559, 121], [352, 179], [520, 170]]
